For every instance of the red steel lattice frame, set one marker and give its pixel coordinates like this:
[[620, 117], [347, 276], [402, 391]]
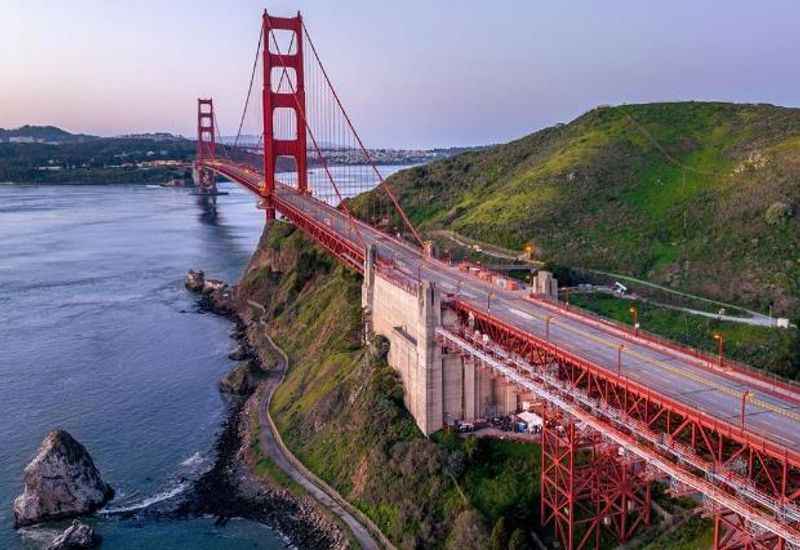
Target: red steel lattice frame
[[587, 489], [743, 458]]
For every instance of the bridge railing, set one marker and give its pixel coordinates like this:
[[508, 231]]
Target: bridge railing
[[710, 360], [401, 279]]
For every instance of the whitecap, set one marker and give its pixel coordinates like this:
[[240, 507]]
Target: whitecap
[[146, 503], [195, 460]]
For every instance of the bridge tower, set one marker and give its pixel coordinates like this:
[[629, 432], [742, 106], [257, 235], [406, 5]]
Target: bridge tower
[[286, 63], [205, 179]]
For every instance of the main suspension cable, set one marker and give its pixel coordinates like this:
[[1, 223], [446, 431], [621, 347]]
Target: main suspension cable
[[364, 150]]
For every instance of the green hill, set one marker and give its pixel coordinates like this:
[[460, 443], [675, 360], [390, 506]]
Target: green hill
[[703, 197]]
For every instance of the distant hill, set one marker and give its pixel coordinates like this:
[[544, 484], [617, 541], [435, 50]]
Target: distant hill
[[703, 197], [42, 134]]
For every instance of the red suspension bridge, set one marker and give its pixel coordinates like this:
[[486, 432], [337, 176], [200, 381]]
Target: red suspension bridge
[[622, 409]]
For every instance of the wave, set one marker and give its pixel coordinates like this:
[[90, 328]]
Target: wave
[[195, 460], [146, 503]]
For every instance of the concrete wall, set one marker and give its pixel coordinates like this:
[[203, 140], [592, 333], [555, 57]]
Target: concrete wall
[[439, 387]]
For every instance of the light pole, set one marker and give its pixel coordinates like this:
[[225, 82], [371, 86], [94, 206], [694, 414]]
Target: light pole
[[547, 327], [619, 359], [719, 337], [635, 312], [745, 395], [489, 297], [529, 249]]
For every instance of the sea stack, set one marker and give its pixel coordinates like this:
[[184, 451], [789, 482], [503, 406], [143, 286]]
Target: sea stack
[[60, 482]]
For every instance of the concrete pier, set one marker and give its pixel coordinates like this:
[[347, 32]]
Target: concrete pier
[[439, 387]]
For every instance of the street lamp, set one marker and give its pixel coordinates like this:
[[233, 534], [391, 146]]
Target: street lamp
[[635, 312], [619, 359], [745, 395], [489, 297], [547, 327], [719, 337], [529, 249]]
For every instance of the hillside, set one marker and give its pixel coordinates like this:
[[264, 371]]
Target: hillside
[[50, 134], [703, 197], [341, 412]]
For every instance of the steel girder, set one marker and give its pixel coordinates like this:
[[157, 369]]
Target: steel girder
[[764, 477]]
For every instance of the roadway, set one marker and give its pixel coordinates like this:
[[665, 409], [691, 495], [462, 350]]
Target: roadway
[[774, 415]]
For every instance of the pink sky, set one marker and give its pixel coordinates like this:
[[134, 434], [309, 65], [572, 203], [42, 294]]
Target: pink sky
[[415, 73]]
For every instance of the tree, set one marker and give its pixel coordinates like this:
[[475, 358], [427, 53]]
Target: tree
[[518, 540], [499, 538]]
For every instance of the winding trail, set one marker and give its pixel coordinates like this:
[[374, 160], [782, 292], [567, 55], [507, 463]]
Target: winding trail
[[273, 446]]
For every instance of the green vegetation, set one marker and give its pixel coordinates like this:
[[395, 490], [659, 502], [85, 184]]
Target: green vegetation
[[775, 350], [702, 197], [696, 534], [95, 161]]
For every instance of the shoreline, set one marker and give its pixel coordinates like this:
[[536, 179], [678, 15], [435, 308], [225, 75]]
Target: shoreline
[[231, 488]]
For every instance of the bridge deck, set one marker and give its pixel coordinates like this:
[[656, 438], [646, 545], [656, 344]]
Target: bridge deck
[[774, 415]]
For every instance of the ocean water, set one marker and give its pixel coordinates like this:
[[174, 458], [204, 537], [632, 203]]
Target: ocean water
[[98, 336]]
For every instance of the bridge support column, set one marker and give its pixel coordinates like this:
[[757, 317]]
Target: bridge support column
[[429, 358], [292, 98], [368, 291], [587, 488], [204, 179]]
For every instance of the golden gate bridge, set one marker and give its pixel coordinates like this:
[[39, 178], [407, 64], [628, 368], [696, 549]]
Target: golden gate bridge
[[623, 409]]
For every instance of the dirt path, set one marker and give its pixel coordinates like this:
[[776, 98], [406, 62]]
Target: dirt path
[[272, 446]]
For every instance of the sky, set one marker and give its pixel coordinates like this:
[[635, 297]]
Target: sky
[[412, 74]]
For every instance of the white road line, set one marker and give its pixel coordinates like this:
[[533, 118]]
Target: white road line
[[522, 314]]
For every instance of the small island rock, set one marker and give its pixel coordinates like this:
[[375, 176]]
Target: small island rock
[[76, 537], [195, 280], [60, 482]]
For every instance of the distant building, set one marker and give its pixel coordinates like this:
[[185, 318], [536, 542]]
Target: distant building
[[22, 139]]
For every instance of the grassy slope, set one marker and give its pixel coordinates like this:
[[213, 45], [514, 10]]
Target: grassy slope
[[599, 193], [340, 410]]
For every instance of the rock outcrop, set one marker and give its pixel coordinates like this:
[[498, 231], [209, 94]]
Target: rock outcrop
[[76, 537], [195, 280], [242, 379], [60, 482], [216, 294]]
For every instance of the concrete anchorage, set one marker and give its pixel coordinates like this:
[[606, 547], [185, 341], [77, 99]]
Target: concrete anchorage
[[439, 387]]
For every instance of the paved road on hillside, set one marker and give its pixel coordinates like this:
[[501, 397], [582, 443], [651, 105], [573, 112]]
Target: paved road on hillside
[[272, 448]]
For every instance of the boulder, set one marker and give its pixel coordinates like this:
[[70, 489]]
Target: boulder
[[242, 379], [240, 353], [60, 482], [211, 286], [77, 536], [195, 280]]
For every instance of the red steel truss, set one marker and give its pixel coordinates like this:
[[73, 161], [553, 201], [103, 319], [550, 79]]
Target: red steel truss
[[757, 482], [589, 491]]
